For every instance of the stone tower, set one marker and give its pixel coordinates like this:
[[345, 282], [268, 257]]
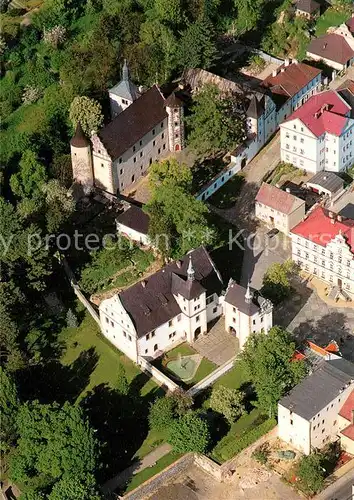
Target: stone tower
[[123, 94], [81, 158], [175, 111]]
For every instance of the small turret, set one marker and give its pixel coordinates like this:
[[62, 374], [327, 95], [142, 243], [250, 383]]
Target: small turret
[[124, 93], [248, 294], [190, 270], [81, 158], [175, 111]]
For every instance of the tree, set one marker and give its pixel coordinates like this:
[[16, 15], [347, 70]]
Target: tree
[[72, 487], [55, 442], [216, 124], [268, 362], [55, 36], [58, 204], [122, 384], [249, 12], [276, 281], [197, 47], [182, 402], [311, 472], [169, 11], [71, 319], [228, 402], [27, 183], [161, 414], [189, 433], [174, 210], [88, 112], [9, 404]]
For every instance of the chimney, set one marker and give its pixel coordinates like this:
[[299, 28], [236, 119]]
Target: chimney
[[143, 283], [325, 45], [288, 190], [287, 62], [330, 215], [282, 70], [274, 73], [339, 218]]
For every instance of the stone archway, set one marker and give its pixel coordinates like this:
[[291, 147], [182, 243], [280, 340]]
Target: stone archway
[[177, 147], [232, 330], [197, 333]]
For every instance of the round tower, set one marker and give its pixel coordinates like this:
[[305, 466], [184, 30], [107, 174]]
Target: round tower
[[81, 158], [175, 111]]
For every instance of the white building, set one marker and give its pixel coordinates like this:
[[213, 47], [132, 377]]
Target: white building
[[320, 134], [309, 416], [323, 245], [144, 128], [291, 85], [134, 224], [279, 209], [175, 305], [246, 312]]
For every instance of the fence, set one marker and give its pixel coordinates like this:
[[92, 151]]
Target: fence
[[212, 377], [159, 376]]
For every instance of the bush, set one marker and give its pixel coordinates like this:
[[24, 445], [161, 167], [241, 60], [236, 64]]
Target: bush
[[261, 453], [246, 439], [161, 414], [228, 402], [189, 434], [311, 472]]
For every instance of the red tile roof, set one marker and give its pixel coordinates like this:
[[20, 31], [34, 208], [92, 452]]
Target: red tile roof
[[348, 432], [332, 47], [298, 356], [332, 347], [275, 198], [292, 79], [319, 228], [347, 409], [323, 112]]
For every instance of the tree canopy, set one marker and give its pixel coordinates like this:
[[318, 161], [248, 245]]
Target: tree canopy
[[269, 364], [228, 402], [189, 433]]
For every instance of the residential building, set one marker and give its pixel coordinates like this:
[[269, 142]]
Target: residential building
[[325, 183], [278, 208], [246, 311], [336, 48], [323, 245], [307, 8], [133, 223], [143, 129], [175, 304], [291, 85], [320, 134], [316, 411]]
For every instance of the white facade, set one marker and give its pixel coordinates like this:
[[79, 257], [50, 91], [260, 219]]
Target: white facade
[[133, 234]]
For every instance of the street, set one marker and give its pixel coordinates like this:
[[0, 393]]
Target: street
[[342, 489]]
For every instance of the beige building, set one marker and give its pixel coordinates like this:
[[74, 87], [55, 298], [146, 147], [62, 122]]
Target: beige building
[[319, 409], [278, 209], [144, 128], [307, 8], [323, 245]]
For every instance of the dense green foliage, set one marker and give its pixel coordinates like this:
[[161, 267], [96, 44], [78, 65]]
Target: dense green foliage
[[9, 403], [189, 433], [311, 472], [268, 361], [277, 280], [177, 219], [164, 410], [228, 402]]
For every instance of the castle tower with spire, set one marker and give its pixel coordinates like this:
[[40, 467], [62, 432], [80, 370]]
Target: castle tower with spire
[[81, 158], [175, 111], [124, 93]]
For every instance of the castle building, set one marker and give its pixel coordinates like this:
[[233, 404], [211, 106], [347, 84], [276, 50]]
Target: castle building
[[175, 305], [144, 128]]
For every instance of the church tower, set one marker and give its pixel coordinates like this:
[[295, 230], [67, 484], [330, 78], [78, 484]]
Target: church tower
[[81, 158], [123, 94], [175, 111]]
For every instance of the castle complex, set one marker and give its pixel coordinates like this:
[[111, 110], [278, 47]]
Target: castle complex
[[144, 127]]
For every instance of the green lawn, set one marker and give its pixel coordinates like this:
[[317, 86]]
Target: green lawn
[[185, 349], [330, 18], [87, 336], [227, 195], [248, 421], [146, 474], [235, 378]]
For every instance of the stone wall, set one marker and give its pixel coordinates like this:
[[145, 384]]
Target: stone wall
[[160, 377], [212, 377]]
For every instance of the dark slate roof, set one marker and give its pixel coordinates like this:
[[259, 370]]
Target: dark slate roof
[[319, 389], [79, 139], [125, 88], [256, 107], [235, 295], [308, 6], [328, 180], [173, 101], [133, 123], [135, 218], [153, 304]]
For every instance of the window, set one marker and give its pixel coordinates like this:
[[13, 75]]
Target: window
[[215, 310], [210, 299], [155, 347], [159, 151], [254, 322], [133, 149], [134, 159], [234, 320], [141, 154], [170, 323], [291, 421], [153, 143], [141, 143], [102, 164], [107, 320], [124, 333], [153, 333], [262, 318], [164, 146], [153, 131], [171, 335], [120, 160], [147, 336], [146, 351], [234, 309], [197, 319], [162, 135], [129, 337], [121, 171], [112, 324]]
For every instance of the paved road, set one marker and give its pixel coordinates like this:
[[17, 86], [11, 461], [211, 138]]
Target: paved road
[[343, 489]]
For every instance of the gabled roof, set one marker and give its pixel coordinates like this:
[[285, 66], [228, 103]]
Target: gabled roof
[[308, 6], [323, 112], [150, 303], [135, 218], [348, 408], [127, 128], [290, 79], [236, 296], [320, 388], [327, 180], [278, 199], [332, 47], [321, 229]]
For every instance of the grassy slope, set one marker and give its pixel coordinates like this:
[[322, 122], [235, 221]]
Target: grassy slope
[[330, 18]]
